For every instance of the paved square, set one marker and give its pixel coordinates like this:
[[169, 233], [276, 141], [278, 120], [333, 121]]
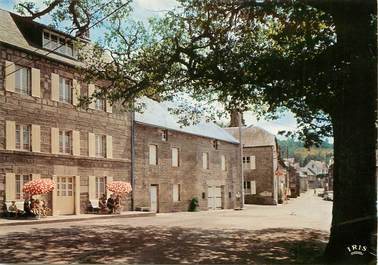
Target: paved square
[[296, 232]]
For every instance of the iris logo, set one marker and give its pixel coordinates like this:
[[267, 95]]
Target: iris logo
[[357, 250]]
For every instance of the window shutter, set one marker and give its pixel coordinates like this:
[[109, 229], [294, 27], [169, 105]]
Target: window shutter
[[253, 162], [54, 87], [109, 146], [36, 82], [175, 157], [92, 187], [75, 92], [91, 90], [77, 195], [175, 192], [152, 154], [109, 108], [204, 160], [91, 145], [10, 76], [10, 135], [223, 162], [36, 138], [54, 140], [109, 180], [10, 187], [253, 187], [75, 143]]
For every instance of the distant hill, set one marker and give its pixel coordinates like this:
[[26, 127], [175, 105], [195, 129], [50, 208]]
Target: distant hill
[[302, 154]]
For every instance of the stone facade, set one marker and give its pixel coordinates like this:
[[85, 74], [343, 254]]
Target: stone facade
[[263, 175], [193, 179], [47, 114]]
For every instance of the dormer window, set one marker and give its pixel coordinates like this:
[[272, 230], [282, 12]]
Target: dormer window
[[58, 44]]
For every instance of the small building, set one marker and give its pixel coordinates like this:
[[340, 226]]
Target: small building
[[175, 164], [294, 179], [316, 172], [260, 165]]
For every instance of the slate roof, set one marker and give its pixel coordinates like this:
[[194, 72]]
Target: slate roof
[[11, 33], [157, 114]]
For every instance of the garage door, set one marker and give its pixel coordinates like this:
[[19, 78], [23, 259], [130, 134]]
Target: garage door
[[214, 197]]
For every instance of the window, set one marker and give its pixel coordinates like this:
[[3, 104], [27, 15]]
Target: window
[[64, 186], [175, 157], [249, 162], [176, 192], [23, 80], [215, 144], [223, 163], [100, 104], [164, 135], [100, 186], [21, 180], [23, 137], [65, 142], [58, 44], [65, 90], [100, 145], [250, 187], [153, 154], [205, 160]]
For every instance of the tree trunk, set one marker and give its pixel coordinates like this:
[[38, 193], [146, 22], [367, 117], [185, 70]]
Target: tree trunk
[[234, 120], [354, 116]]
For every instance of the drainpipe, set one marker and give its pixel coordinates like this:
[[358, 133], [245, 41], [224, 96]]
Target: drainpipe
[[132, 173], [241, 161]]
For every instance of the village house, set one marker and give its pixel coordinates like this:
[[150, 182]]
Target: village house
[[44, 134], [175, 164], [264, 176], [316, 172], [294, 179]]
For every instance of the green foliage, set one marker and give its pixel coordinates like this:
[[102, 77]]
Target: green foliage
[[295, 149], [193, 205]]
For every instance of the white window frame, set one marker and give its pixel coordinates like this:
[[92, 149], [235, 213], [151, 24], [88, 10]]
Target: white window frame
[[100, 145], [65, 186], [65, 142], [66, 49], [100, 104], [20, 182], [100, 186], [177, 164], [23, 130], [65, 90], [152, 148], [23, 80]]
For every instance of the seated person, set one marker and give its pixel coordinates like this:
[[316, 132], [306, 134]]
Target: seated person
[[36, 207], [110, 204], [102, 204], [44, 209], [14, 210], [27, 207], [117, 204]]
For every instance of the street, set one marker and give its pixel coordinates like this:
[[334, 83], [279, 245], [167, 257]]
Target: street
[[295, 232]]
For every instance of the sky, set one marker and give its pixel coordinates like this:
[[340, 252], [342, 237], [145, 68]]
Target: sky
[[144, 9]]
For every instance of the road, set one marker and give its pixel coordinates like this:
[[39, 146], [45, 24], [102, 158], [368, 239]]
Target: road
[[295, 232]]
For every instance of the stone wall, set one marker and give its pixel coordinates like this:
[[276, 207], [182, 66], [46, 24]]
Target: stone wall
[[194, 180], [263, 175], [47, 113]]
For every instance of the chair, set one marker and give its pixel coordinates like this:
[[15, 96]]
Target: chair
[[93, 205]]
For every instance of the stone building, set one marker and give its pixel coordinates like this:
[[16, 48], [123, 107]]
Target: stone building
[[43, 133], [260, 165], [176, 164]]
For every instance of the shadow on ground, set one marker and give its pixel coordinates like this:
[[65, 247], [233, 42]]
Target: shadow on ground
[[113, 244]]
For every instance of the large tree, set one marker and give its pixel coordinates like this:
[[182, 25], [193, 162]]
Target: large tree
[[314, 58]]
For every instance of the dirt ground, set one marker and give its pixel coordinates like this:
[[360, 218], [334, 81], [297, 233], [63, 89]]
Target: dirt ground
[[292, 233]]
